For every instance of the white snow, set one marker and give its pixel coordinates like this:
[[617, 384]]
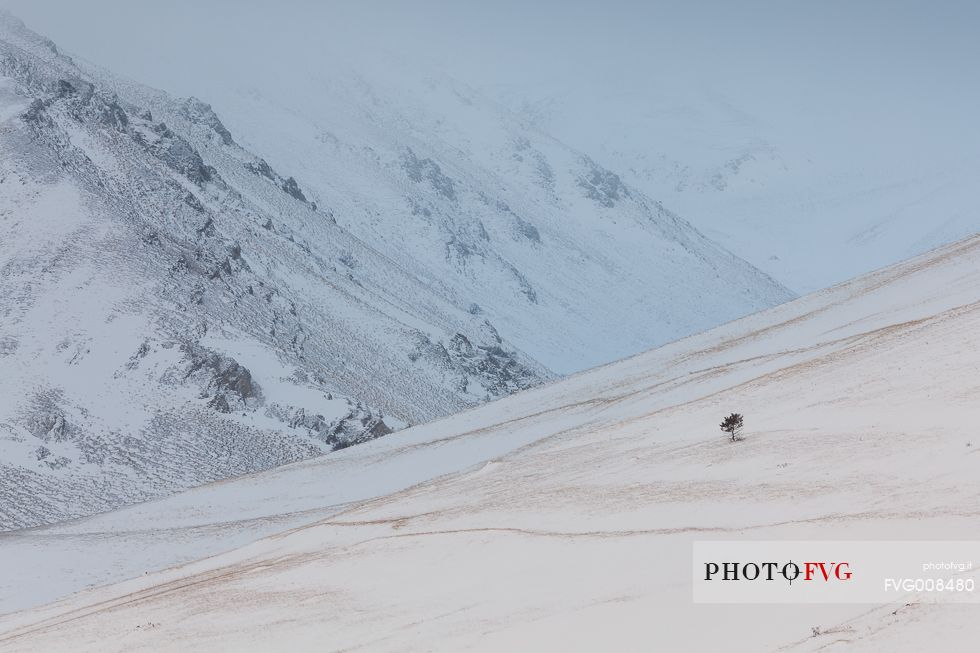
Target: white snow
[[810, 201], [436, 253], [562, 518]]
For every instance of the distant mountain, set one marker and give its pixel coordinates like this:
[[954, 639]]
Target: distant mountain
[[827, 214], [572, 264], [177, 309]]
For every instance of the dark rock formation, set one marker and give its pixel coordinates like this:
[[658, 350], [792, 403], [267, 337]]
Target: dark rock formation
[[292, 188], [228, 384], [602, 186], [426, 169], [202, 114]]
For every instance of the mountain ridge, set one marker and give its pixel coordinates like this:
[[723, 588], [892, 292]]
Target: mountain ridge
[[179, 311]]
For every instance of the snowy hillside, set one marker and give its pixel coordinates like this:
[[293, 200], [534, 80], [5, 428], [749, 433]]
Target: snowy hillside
[[783, 199], [572, 265], [171, 319], [178, 309], [562, 517]]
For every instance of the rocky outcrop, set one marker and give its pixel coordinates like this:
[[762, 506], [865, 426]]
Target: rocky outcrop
[[179, 155], [358, 425], [201, 113], [262, 168], [427, 170], [224, 382], [485, 369], [601, 185], [289, 185], [292, 188], [49, 426]]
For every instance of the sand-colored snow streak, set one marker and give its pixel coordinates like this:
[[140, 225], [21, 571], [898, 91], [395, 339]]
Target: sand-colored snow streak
[[562, 518]]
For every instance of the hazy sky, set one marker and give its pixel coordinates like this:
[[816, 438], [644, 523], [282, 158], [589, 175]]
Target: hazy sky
[[885, 80], [849, 44]]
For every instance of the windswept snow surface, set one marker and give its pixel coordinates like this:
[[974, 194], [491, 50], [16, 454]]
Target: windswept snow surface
[[562, 517]]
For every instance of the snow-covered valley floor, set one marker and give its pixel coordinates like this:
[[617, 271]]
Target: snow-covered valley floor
[[562, 518]]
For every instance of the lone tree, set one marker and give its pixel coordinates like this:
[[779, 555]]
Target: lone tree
[[733, 426]]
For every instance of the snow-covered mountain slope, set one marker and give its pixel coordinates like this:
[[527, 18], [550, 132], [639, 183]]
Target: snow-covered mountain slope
[[572, 265], [170, 319], [829, 209], [562, 517], [177, 310]]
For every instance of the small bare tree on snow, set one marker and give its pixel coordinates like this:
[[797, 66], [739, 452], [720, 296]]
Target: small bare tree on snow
[[732, 425]]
